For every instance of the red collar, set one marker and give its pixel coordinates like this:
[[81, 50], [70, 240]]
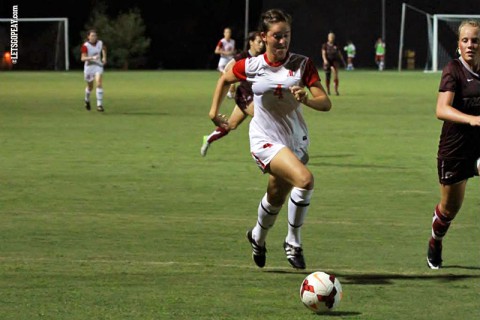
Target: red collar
[[278, 63]]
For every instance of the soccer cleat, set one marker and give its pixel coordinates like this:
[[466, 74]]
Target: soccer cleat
[[100, 109], [205, 145], [294, 256], [434, 254], [87, 105], [258, 252], [230, 95]]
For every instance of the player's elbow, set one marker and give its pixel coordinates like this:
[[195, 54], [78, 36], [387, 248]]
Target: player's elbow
[[440, 112]]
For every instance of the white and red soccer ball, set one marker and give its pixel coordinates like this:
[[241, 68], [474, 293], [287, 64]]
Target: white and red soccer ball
[[321, 292]]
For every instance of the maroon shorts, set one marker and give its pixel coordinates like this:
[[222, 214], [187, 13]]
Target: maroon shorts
[[451, 171], [243, 97], [331, 63]]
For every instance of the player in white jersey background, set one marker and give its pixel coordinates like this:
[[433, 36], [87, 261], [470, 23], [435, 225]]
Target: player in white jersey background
[[226, 49], [94, 55], [278, 132], [243, 97]]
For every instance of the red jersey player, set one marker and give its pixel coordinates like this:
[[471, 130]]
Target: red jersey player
[[278, 133], [226, 49], [94, 54], [243, 97]]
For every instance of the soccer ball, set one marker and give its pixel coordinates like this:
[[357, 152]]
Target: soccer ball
[[321, 292]]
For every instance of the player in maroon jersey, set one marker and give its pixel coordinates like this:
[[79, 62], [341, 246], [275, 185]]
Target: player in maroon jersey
[[243, 97], [458, 105], [332, 57]]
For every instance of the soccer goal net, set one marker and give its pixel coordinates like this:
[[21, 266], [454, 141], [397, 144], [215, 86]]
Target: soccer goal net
[[432, 38], [445, 37], [42, 42]]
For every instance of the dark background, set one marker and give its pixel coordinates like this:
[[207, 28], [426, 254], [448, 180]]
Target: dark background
[[184, 33]]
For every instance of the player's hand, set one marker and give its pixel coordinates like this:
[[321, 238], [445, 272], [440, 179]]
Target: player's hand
[[326, 66], [221, 120], [474, 121], [104, 61], [299, 93]]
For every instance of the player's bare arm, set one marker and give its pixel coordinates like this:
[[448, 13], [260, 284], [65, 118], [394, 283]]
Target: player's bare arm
[[104, 55], [319, 100], [219, 50], [446, 112], [324, 57], [84, 57], [225, 80]]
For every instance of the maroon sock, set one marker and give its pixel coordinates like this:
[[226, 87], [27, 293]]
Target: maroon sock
[[217, 134], [440, 225], [336, 84]]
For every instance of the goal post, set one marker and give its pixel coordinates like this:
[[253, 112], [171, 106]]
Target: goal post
[[441, 53], [419, 16], [433, 35], [59, 49]]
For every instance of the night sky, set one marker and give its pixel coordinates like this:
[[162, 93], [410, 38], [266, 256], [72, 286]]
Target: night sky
[[184, 33]]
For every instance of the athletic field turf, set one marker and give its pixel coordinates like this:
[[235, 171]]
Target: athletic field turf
[[117, 216]]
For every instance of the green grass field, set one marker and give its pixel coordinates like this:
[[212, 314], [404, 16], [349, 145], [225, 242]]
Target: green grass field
[[117, 216]]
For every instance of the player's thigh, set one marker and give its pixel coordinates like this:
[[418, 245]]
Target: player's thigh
[[335, 67], [286, 165], [452, 196], [277, 190], [99, 79], [89, 77]]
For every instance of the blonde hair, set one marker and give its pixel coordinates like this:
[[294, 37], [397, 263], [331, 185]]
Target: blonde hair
[[470, 22]]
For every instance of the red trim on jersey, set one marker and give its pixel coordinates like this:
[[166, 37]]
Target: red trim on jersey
[[310, 75], [239, 70], [84, 49], [275, 64]]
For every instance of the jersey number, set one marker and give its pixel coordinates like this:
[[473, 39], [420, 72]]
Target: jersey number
[[278, 91]]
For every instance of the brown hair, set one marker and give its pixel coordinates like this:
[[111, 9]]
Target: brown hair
[[252, 35], [273, 16]]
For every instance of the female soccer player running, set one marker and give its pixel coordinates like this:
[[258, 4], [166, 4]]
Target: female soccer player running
[[458, 105], [278, 132], [243, 97], [94, 54]]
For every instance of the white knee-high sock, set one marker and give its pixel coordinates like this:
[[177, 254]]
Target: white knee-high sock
[[267, 214], [87, 94], [297, 211], [99, 96]]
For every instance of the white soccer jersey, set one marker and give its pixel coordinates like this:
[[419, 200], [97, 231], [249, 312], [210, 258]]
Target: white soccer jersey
[[278, 116], [227, 45], [93, 50]]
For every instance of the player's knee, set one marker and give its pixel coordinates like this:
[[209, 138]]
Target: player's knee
[[305, 180], [450, 209]]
